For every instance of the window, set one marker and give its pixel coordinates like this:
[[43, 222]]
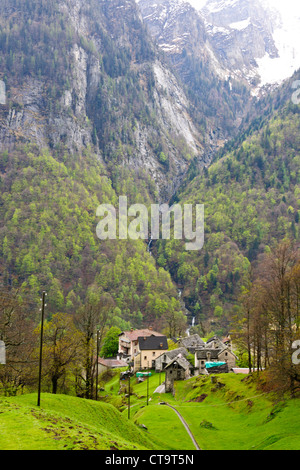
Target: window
[[153, 354], [145, 358]]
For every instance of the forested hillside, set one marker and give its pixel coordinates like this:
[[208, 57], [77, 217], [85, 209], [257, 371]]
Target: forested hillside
[[88, 76], [85, 121], [96, 110], [251, 197], [48, 240]]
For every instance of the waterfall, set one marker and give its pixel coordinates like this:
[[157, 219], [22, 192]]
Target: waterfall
[[149, 247], [187, 312]]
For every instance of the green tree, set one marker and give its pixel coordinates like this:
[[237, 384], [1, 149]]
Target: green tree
[[111, 343], [62, 347]]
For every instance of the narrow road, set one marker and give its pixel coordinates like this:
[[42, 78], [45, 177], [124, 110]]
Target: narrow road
[[185, 425], [160, 389]]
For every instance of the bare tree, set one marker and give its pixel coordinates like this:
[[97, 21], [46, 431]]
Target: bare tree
[[268, 323], [62, 347], [90, 318], [16, 329], [279, 304]]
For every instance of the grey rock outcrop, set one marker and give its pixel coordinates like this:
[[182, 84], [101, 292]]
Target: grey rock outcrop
[[161, 144]]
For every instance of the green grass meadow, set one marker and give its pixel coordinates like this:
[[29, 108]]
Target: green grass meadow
[[66, 423], [231, 414]]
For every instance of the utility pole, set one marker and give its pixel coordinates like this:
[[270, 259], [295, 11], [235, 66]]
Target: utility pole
[[129, 396], [41, 348], [97, 357], [2, 353], [148, 386]]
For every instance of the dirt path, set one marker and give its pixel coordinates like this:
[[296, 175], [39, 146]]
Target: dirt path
[[185, 425]]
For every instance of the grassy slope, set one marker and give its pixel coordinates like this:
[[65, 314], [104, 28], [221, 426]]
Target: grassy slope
[[233, 417], [65, 422]]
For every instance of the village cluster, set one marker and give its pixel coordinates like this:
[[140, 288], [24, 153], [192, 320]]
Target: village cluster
[[145, 349]]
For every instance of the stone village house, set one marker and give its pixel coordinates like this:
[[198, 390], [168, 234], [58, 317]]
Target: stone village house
[[191, 343], [178, 369], [213, 352], [129, 342], [214, 356], [150, 348], [164, 359], [146, 348]]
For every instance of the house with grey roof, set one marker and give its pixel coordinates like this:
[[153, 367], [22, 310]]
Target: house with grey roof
[[191, 343], [215, 343], [106, 364], [129, 344], [164, 359], [178, 369], [214, 357], [149, 349]]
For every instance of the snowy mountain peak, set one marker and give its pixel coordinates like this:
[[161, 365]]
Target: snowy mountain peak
[[281, 21], [253, 40]]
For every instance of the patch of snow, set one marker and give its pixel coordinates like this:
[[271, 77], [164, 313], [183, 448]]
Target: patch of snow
[[286, 37], [215, 7], [240, 25], [211, 29]]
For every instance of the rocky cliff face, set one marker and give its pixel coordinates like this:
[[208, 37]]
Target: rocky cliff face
[[230, 35], [88, 76], [241, 31], [183, 34], [147, 87], [174, 24]]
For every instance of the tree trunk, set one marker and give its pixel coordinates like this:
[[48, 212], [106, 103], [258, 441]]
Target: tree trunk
[[54, 384]]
